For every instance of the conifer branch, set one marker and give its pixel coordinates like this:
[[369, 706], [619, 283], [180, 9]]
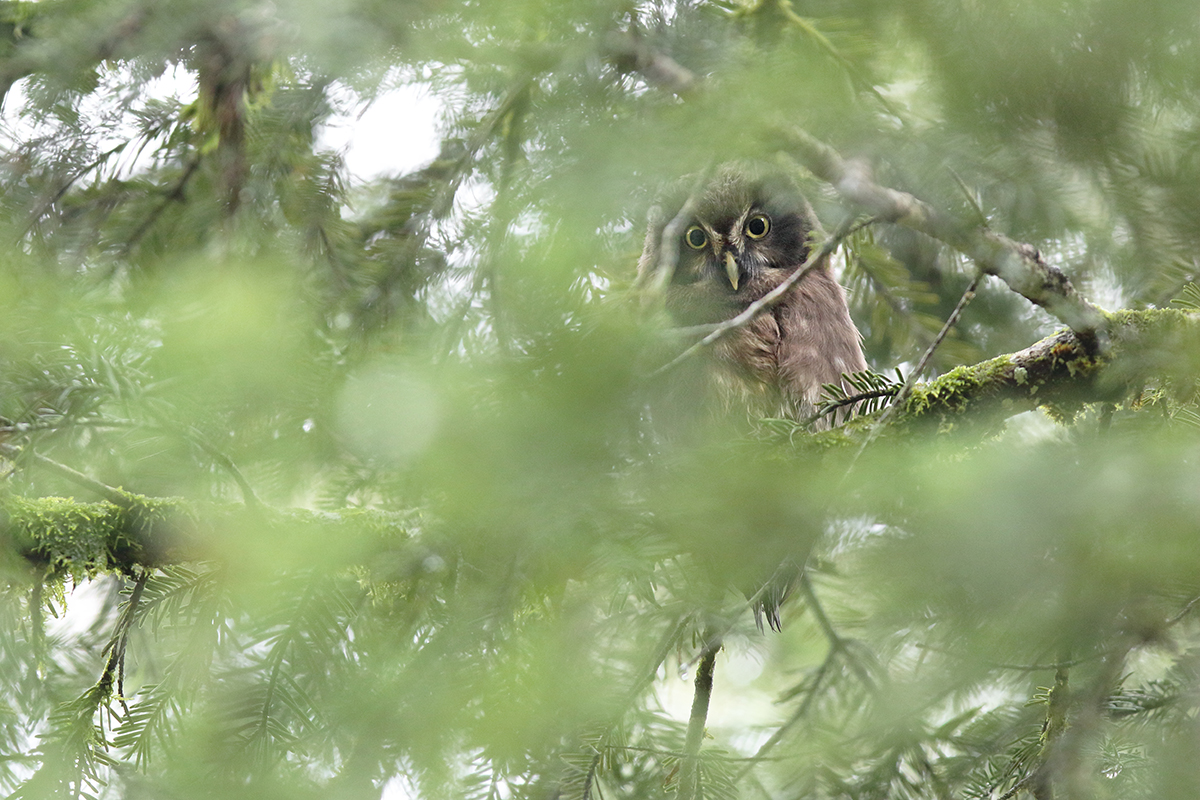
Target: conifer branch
[[629, 52], [1057, 372], [837, 648], [1020, 266], [906, 389], [115, 665], [115, 496], [689, 787], [174, 195]]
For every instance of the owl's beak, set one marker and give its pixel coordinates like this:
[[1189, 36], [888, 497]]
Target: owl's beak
[[731, 270]]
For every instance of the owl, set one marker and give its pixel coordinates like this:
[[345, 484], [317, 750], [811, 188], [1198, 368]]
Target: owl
[[746, 234]]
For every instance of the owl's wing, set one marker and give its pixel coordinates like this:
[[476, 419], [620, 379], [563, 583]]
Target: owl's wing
[[819, 342]]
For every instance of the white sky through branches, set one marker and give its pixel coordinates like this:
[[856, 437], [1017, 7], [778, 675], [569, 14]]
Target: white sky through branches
[[395, 134]]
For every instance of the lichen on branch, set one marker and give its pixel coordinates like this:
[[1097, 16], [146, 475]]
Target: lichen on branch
[[1059, 373]]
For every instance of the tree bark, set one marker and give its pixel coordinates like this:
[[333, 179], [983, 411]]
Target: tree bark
[[690, 787]]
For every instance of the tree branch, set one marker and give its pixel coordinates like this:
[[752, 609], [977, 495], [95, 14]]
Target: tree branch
[[629, 52], [906, 389], [113, 495], [1019, 265], [1058, 372], [689, 771], [837, 648], [175, 194]]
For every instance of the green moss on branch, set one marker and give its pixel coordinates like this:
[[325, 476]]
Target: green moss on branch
[[84, 539], [1060, 373], [80, 540]]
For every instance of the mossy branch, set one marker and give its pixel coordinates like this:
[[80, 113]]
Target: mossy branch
[[1153, 347], [84, 539], [69, 537], [1059, 373]]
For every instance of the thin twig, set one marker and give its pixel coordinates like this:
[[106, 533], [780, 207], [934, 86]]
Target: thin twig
[[37, 633], [39, 212], [911, 380], [819, 612], [1049, 666], [951, 321], [655, 751], [644, 679], [114, 665], [837, 647], [110, 493], [121, 634], [338, 269], [665, 645], [1019, 265], [1017, 787], [802, 711], [668, 253], [175, 194], [1183, 612], [249, 497], [810, 30], [164, 426]]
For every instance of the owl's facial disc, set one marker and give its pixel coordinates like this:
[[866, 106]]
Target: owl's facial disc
[[731, 270]]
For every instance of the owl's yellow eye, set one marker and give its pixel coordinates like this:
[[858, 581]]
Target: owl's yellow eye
[[695, 237], [757, 226]]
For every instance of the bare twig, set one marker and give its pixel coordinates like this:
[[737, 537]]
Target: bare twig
[[629, 52], [668, 255], [911, 380], [951, 321], [176, 193], [112, 494], [1019, 265], [1187, 609]]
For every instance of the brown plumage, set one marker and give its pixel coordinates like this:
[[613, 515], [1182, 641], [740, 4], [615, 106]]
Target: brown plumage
[[745, 236]]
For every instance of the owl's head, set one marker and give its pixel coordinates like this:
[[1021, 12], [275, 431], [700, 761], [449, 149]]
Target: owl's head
[[744, 235]]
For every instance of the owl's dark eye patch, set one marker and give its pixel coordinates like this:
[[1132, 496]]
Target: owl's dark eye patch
[[757, 226], [695, 237]]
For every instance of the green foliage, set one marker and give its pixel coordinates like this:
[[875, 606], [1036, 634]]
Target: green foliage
[[322, 485], [862, 393]]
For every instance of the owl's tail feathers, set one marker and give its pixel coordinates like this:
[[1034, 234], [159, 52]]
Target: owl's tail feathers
[[771, 596]]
